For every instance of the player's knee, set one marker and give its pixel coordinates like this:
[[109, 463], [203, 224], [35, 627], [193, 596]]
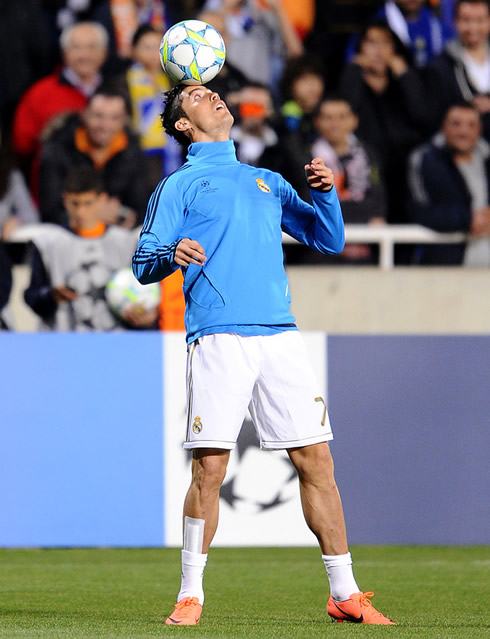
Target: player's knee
[[209, 472], [314, 464]]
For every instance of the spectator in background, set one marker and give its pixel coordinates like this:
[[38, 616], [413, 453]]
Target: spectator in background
[[98, 137], [16, 205], [70, 268], [462, 71], [260, 38], [421, 31], [146, 82], [445, 10], [230, 79], [61, 14], [302, 86], [388, 97], [84, 48], [252, 132], [450, 189], [122, 18], [356, 171], [5, 287]]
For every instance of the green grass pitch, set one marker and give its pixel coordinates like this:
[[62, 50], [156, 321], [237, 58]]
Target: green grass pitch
[[255, 593]]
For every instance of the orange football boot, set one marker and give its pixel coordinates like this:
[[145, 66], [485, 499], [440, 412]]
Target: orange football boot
[[187, 612], [357, 609]]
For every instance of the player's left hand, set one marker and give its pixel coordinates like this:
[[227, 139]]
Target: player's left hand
[[319, 176]]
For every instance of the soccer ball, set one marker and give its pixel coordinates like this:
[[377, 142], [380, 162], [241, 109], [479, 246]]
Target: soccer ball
[[124, 291], [192, 52]]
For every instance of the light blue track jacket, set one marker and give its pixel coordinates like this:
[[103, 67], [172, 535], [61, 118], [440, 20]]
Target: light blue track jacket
[[237, 213]]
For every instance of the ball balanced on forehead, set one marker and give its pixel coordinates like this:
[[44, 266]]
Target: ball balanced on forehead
[[192, 52]]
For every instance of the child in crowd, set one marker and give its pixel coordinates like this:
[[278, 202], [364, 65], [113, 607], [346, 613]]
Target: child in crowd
[[70, 268], [302, 86], [252, 132], [356, 170]]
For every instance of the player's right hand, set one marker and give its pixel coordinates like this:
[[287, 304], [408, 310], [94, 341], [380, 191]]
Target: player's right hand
[[319, 176], [189, 252]]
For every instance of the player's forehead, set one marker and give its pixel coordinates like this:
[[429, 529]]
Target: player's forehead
[[195, 89]]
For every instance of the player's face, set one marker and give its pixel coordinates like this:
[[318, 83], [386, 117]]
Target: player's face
[[462, 129], [335, 121], [207, 116], [84, 209], [473, 23], [104, 117], [85, 52]]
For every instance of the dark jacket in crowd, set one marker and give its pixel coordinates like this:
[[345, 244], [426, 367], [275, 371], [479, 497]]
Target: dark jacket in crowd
[[448, 83], [124, 175], [440, 200], [393, 123]]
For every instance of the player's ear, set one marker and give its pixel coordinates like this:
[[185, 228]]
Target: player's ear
[[182, 125]]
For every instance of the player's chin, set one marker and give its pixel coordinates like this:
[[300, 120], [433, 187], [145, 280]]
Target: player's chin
[[228, 117]]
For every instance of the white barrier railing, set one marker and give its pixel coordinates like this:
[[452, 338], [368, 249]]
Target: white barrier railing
[[387, 236]]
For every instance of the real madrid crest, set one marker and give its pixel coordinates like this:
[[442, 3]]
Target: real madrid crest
[[263, 186], [197, 425]]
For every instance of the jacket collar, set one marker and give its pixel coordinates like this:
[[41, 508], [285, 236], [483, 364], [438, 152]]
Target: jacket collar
[[212, 152]]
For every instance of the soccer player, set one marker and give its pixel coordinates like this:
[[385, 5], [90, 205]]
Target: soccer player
[[221, 222]]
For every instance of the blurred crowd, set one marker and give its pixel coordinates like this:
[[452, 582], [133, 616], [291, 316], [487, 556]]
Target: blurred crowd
[[394, 95]]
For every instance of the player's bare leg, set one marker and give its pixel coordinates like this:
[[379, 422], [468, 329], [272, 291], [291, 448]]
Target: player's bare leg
[[320, 497], [201, 509], [324, 515], [202, 499]]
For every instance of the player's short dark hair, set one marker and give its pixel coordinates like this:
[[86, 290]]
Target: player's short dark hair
[[83, 179], [173, 111]]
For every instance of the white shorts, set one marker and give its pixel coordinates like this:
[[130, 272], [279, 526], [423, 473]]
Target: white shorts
[[270, 375]]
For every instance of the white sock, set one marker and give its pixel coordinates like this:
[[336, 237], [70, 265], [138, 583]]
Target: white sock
[[340, 576], [193, 564]]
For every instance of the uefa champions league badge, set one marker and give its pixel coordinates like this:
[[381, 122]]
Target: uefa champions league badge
[[263, 186], [196, 425]]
